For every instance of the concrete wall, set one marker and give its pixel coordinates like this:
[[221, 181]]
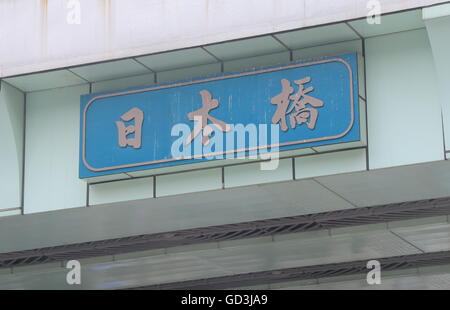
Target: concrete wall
[[52, 141], [437, 21], [51, 177], [404, 111], [404, 127], [50, 37], [11, 148]]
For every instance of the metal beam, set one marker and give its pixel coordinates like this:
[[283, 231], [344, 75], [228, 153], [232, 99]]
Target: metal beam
[[270, 227], [306, 273]]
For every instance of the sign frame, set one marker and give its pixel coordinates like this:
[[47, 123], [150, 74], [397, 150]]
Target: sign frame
[[353, 102]]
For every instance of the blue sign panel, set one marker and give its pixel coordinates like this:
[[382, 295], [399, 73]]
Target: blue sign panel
[[297, 105]]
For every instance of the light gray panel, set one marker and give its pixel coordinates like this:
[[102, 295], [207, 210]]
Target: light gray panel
[[10, 213], [330, 163], [110, 70], [430, 238], [407, 183], [188, 73], [246, 48], [121, 191], [255, 62], [46, 80], [332, 49], [438, 32], [177, 59], [253, 174], [188, 182], [111, 177], [436, 11], [390, 24], [317, 36], [185, 167], [119, 84], [52, 150], [304, 197], [397, 103], [11, 146]]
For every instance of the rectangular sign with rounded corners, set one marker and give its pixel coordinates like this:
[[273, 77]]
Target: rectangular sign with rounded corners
[[252, 113]]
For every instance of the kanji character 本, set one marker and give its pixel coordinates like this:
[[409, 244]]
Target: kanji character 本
[[124, 131], [303, 109], [201, 118]]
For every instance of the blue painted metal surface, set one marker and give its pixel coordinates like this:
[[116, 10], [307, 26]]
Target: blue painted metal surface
[[325, 114]]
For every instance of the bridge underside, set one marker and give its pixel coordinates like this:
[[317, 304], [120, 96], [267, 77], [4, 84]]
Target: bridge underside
[[296, 249]]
